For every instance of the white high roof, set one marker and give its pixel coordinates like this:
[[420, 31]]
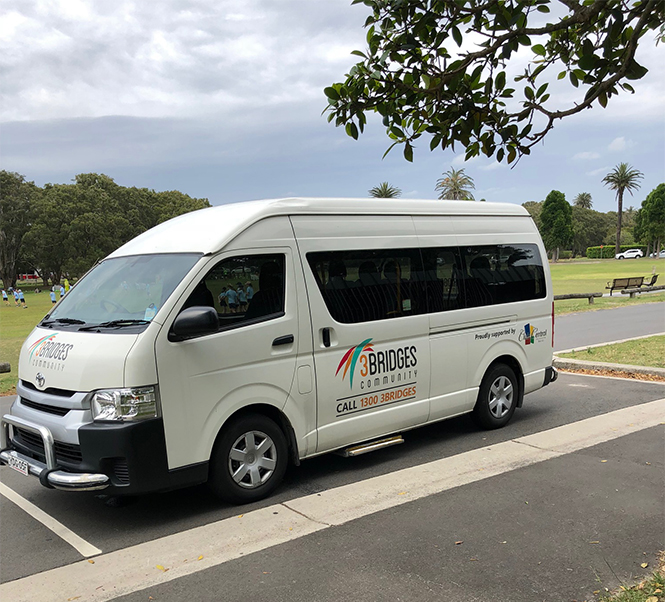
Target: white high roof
[[208, 230]]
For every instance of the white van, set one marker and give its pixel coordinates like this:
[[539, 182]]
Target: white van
[[227, 342]]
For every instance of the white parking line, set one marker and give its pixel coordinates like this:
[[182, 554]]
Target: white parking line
[[80, 544], [159, 561]]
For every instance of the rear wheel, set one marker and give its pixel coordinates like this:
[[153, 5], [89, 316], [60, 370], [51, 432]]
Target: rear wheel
[[249, 460], [497, 397]]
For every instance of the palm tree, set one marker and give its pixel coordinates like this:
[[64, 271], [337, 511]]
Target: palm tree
[[623, 177], [455, 185], [385, 191], [583, 199]]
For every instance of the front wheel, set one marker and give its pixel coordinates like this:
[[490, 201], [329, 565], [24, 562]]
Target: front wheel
[[497, 397], [249, 460]]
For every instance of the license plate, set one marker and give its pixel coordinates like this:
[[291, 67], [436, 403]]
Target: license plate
[[18, 465]]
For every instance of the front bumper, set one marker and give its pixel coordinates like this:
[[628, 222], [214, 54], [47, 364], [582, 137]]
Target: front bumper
[[47, 472]]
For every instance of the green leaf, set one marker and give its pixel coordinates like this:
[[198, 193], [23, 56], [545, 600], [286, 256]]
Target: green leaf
[[457, 35], [512, 153], [602, 99], [352, 130], [500, 80], [539, 49], [331, 93], [359, 53], [573, 79], [408, 152], [543, 9], [561, 75], [541, 90], [528, 92]]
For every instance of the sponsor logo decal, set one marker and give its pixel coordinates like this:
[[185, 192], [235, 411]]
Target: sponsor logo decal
[[47, 352], [531, 334], [385, 376]]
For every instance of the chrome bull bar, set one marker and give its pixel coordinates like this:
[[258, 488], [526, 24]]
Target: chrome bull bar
[[48, 473]]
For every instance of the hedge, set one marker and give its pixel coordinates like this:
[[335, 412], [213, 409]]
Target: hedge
[[607, 251]]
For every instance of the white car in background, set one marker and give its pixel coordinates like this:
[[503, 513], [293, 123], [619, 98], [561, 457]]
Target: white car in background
[[629, 254]]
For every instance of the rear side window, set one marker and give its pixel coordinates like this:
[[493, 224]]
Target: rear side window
[[368, 285], [495, 274]]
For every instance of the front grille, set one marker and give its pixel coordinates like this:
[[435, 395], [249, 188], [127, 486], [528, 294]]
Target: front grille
[[42, 407], [49, 390], [64, 452]]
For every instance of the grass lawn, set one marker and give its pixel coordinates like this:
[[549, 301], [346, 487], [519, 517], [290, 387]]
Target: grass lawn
[[15, 325], [642, 352], [592, 275], [568, 306]]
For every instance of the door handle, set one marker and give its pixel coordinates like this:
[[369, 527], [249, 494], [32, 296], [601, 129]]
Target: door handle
[[287, 339], [325, 333]]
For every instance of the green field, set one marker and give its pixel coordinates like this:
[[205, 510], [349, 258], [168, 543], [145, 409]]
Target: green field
[[593, 275], [642, 352], [567, 277]]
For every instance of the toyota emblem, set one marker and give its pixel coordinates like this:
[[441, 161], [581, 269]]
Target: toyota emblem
[[40, 379]]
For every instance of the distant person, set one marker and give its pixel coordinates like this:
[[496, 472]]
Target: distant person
[[242, 297], [67, 287], [4, 297], [16, 298], [21, 298], [222, 300], [232, 299], [62, 291], [249, 291], [52, 295]]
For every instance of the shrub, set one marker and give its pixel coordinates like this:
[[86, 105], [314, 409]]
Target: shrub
[[607, 251]]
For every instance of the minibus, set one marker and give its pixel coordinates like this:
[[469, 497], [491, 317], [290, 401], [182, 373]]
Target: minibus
[[226, 343]]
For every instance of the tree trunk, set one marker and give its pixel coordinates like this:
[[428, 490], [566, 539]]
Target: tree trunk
[[617, 248]]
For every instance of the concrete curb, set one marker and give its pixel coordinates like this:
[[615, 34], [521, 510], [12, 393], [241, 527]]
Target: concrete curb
[[569, 364]]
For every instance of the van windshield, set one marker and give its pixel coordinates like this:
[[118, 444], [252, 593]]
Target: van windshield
[[123, 292]]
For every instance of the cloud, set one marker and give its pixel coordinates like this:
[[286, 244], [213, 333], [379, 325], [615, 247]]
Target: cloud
[[492, 166], [597, 172], [620, 144], [586, 156]]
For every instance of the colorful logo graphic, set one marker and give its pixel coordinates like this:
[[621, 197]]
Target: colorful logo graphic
[[529, 337], [351, 358], [36, 345], [47, 348]]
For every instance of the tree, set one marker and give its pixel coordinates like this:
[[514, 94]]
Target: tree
[[623, 177], [583, 200], [417, 74], [16, 199], [650, 219], [455, 185], [385, 191], [556, 222], [589, 229]]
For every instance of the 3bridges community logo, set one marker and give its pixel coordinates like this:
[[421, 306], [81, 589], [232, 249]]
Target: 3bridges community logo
[[378, 368], [49, 353]]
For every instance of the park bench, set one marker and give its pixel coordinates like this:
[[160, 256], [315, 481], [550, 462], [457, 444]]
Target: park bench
[[621, 283]]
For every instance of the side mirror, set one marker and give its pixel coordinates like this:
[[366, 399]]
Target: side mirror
[[194, 321]]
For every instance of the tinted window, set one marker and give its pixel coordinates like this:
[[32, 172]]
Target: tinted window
[[362, 286], [494, 274], [443, 275], [243, 289]]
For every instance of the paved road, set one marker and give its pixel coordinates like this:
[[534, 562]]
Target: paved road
[[591, 327]]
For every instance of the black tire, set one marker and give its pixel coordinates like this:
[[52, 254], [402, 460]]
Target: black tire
[[240, 476], [497, 397]]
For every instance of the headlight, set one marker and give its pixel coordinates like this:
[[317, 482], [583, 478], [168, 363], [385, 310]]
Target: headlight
[[125, 404]]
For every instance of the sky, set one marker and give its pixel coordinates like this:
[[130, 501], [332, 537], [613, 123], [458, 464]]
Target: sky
[[223, 99]]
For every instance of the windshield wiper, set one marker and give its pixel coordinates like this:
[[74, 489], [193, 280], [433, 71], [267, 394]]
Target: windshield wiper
[[115, 324], [62, 321]]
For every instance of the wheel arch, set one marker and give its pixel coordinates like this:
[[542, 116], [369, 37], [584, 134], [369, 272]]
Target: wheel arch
[[513, 363], [276, 415]]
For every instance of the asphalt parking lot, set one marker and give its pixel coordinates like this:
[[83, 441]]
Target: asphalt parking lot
[[30, 548]]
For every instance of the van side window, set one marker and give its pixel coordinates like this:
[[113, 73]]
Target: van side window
[[443, 279], [495, 274], [243, 289], [368, 285]]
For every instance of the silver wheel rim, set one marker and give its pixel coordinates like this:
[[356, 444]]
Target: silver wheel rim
[[501, 397], [252, 459]]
